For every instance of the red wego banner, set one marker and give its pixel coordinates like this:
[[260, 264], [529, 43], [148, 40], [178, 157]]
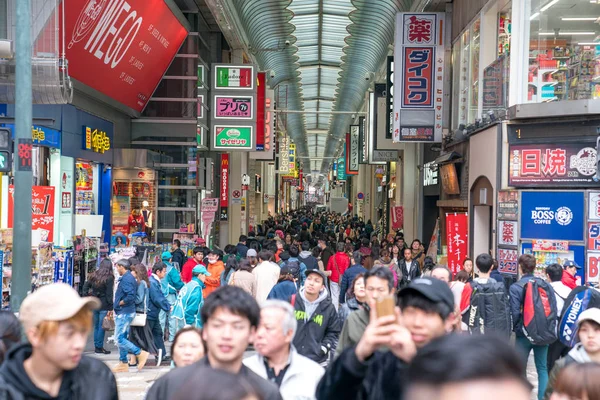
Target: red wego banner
[[397, 217], [261, 93], [42, 209], [121, 48], [456, 240]]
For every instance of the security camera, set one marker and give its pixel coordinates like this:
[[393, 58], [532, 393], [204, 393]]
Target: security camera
[[271, 74], [287, 43], [368, 76]]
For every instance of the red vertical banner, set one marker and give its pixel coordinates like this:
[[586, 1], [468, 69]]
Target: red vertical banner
[[397, 217], [261, 93], [224, 196], [42, 210], [456, 240]]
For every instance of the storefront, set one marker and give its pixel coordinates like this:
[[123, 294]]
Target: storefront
[[431, 194], [554, 175]]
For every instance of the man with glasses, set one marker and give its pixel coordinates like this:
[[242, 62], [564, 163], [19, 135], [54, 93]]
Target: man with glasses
[[379, 282]]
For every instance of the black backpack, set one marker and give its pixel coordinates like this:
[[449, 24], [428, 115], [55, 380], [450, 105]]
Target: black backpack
[[310, 262], [539, 311], [294, 267], [580, 299], [489, 309]]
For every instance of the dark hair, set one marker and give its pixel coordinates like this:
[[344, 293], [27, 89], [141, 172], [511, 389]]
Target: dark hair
[[351, 293], [384, 253], [294, 251], [415, 299], [103, 274], [10, 332], [265, 255], [177, 242], [381, 273], [231, 265], [484, 262], [125, 264], [429, 264], [233, 299], [364, 242], [465, 358], [465, 260], [357, 256], [554, 272], [230, 249], [243, 238], [462, 276], [244, 265], [216, 384], [198, 249], [142, 273], [406, 248], [306, 245], [579, 381], [159, 266], [340, 247], [254, 245], [185, 330], [367, 262], [527, 263], [316, 252]]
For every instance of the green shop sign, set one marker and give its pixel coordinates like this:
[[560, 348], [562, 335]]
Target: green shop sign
[[233, 137]]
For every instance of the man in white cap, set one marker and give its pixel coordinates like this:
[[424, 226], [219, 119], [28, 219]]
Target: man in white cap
[[148, 216], [57, 323], [586, 351]]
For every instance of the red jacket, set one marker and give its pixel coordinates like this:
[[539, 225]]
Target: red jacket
[[343, 263], [186, 270], [569, 280]]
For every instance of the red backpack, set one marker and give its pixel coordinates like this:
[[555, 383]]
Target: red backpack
[[539, 312]]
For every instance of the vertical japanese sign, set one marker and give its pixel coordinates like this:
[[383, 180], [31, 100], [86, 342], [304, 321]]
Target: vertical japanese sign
[[341, 167], [42, 209], [362, 142], [508, 261], [418, 73], [397, 217], [352, 151], [224, 187], [261, 91], [508, 233], [456, 240]]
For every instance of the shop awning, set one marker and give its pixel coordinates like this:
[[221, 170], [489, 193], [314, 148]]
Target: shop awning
[[447, 158]]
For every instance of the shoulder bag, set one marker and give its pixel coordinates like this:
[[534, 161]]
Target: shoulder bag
[[140, 319]]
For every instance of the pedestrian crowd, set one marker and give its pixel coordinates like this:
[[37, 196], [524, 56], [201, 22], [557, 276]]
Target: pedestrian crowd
[[332, 310]]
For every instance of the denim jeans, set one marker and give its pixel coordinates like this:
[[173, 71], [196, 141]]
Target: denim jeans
[[157, 334], [98, 331], [540, 356], [122, 324]]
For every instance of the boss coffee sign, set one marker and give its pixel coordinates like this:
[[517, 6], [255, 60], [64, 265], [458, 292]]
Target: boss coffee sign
[[552, 165], [121, 48], [552, 215]]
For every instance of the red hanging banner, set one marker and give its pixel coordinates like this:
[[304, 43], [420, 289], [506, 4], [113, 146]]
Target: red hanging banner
[[42, 209], [224, 196], [261, 91], [456, 240], [397, 217]]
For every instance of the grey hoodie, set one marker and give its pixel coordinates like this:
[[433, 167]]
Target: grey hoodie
[[310, 307], [305, 254], [579, 354]]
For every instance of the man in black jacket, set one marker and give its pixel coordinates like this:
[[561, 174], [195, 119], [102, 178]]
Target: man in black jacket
[[318, 323], [178, 254], [362, 372], [57, 323], [230, 317], [410, 268]]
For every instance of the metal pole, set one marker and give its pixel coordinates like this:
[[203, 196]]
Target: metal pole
[[21, 271]]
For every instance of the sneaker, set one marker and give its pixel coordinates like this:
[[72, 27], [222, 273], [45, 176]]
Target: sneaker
[[121, 367], [141, 359], [159, 357]]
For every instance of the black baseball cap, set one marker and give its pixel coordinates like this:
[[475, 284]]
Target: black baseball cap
[[433, 289], [570, 263], [316, 271]]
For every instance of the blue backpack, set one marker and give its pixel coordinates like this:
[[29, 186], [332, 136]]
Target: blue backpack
[[580, 299]]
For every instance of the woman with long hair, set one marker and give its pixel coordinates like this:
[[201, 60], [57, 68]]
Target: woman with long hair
[[230, 266], [243, 277], [142, 336], [285, 287], [395, 253], [367, 262], [101, 285], [355, 299]]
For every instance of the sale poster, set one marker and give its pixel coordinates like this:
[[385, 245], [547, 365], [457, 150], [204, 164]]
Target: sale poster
[[84, 176], [593, 258], [456, 240], [42, 209], [593, 236]]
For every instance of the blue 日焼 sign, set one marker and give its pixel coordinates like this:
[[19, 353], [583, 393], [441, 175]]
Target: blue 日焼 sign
[[552, 215]]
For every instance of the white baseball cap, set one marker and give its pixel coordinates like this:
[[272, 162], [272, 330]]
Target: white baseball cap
[[591, 314]]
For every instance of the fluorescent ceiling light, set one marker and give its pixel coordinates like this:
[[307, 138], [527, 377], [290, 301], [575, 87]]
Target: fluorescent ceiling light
[[567, 33], [579, 19], [589, 44], [534, 16], [547, 6]]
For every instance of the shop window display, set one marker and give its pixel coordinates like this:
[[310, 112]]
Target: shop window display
[[563, 50]]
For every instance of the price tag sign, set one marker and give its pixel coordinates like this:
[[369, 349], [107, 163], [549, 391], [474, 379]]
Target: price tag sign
[[24, 156]]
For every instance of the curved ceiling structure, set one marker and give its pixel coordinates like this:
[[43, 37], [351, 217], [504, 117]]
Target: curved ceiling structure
[[320, 52]]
